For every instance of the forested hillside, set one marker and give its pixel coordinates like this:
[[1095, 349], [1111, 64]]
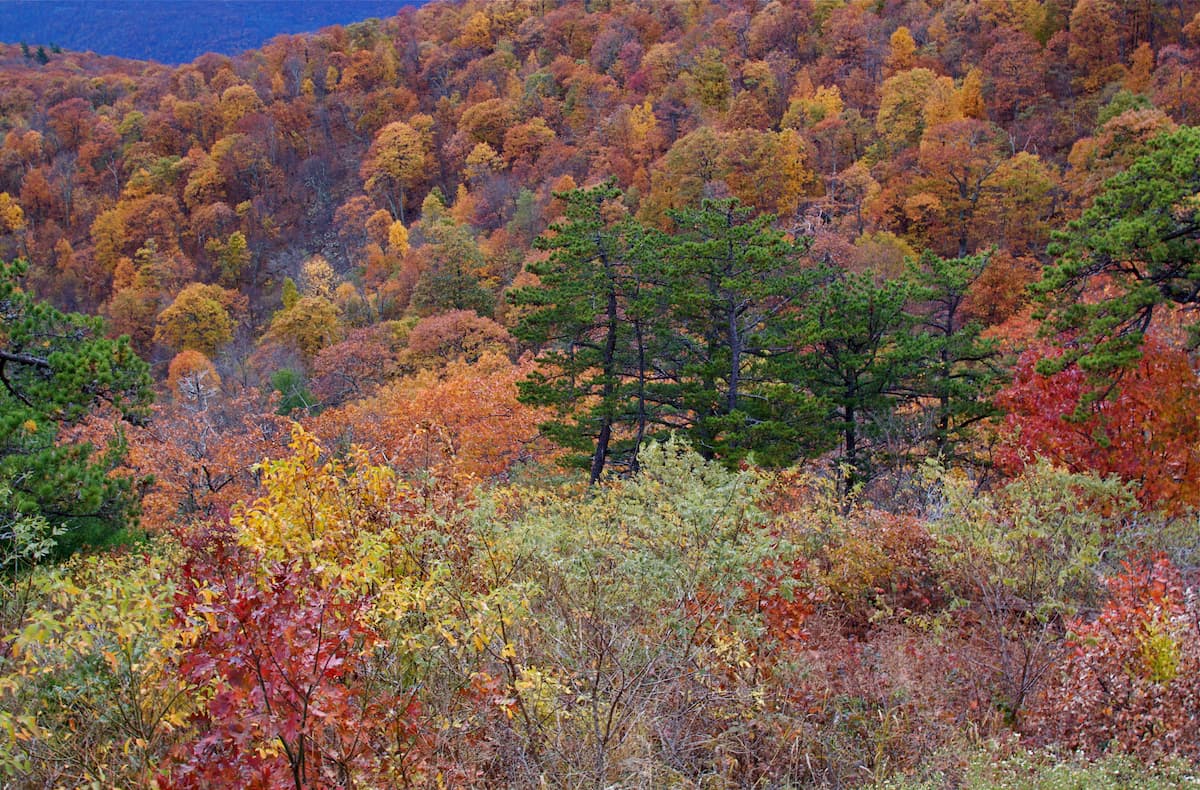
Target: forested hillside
[[533, 393]]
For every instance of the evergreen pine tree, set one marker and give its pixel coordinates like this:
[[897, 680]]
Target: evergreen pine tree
[[734, 283], [56, 368], [859, 354], [579, 316], [963, 371], [1141, 239]]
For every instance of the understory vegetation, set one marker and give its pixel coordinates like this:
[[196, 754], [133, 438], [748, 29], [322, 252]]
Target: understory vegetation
[[687, 626]]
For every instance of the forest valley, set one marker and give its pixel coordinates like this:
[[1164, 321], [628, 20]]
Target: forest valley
[[608, 394]]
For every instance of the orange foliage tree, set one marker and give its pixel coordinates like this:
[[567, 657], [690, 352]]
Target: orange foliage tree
[[456, 334], [201, 447], [458, 425]]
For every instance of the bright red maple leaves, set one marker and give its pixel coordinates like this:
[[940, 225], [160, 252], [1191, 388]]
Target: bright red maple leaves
[[283, 661], [1132, 679], [1147, 431]]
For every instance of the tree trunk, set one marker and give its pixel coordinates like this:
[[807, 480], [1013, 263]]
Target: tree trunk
[[608, 364]]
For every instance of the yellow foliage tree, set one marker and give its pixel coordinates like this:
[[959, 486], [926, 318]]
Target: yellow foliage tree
[[88, 692], [12, 218], [970, 95], [476, 32], [398, 239], [308, 326], [943, 104], [902, 99], [902, 51], [317, 278], [396, 161], [197, 320]]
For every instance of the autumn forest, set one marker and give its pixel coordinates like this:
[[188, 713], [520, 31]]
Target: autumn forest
[[608, 393]]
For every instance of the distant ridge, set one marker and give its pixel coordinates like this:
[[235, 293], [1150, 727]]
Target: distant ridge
[[176, 31]]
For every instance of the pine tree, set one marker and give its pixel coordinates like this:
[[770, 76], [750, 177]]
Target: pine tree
[[1141, 239], [858, 353], [55, 369], [579, 316], [734, 282], [963, 371]]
